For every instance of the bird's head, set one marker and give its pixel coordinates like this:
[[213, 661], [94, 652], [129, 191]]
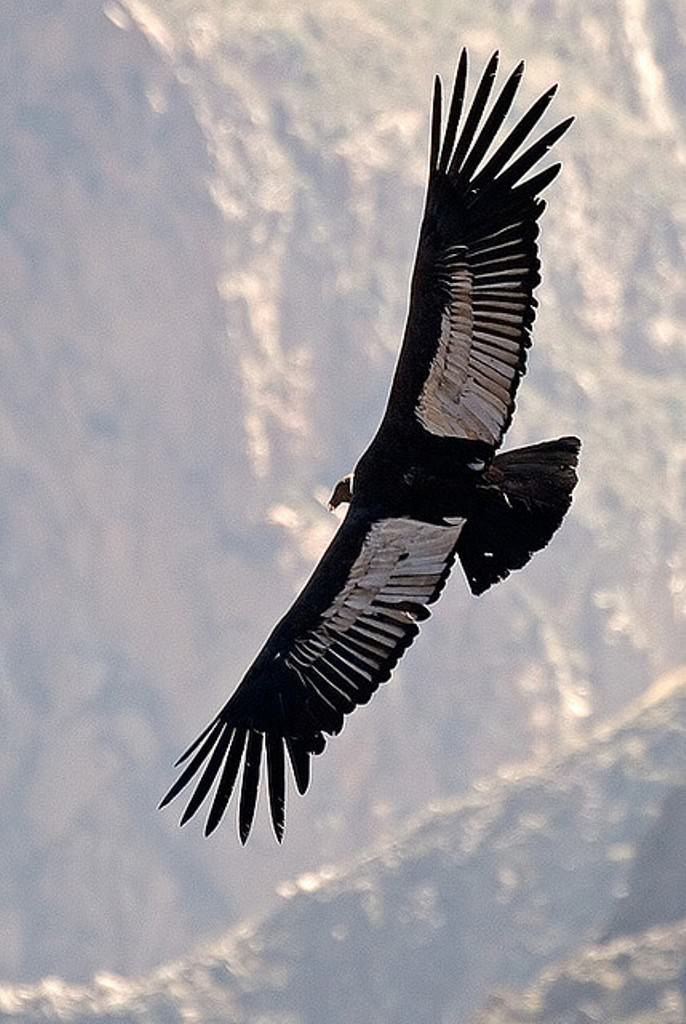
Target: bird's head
[[342, 492]]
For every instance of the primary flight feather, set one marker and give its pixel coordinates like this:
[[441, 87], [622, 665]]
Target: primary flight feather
[[430, 487]]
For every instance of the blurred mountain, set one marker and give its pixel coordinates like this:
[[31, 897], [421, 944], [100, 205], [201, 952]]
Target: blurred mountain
[[478, 892], [638, 980], [656, 886], [641, 980], [207, 220]]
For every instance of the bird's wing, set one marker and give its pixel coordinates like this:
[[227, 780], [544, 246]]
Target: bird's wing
[[341, 639], [471, 301]]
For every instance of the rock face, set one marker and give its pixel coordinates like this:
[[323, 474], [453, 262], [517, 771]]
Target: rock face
[[110, 445], [637, 980], [657, 883], [478, 893], [207, 221]]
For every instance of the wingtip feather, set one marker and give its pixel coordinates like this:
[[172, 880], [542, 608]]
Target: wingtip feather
[[249, 789], [276, 774], [209, 775], [190, 770], [196, 743], [300, 763], [227, 781], [436, 113], [492, 124], [455, 111], [515, 171], [476, 110]]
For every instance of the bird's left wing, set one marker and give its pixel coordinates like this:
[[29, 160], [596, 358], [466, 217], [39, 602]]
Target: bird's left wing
[[471, 301], [341, 639]]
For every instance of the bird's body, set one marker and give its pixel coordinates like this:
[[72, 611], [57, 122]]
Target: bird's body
[[431, 487]]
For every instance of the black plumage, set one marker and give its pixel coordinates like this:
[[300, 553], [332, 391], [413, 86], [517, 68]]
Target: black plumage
[[431, 487]]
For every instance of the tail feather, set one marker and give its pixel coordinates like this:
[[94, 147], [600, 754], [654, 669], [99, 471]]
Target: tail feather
[[522, 502]]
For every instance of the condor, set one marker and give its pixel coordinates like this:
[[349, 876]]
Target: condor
[[430, 487]]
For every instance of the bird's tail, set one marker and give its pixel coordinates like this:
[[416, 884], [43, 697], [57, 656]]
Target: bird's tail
[[525, 495]]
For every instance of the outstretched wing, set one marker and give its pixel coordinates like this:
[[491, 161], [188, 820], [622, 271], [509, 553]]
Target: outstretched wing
[[341, 639], [471, 303]]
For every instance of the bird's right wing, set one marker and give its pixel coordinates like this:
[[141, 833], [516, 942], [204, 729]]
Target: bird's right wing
[[471, 301], [341, 639]]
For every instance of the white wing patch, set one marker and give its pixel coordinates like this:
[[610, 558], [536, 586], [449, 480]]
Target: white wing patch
[[438, 407], [472, 378], [397, 574]]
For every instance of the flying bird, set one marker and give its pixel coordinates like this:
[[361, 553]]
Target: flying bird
[[431, 487]]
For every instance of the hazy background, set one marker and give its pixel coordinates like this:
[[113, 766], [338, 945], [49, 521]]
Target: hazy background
[[208, 214]]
